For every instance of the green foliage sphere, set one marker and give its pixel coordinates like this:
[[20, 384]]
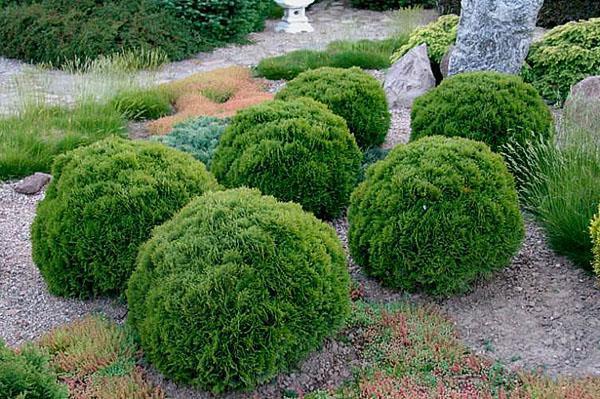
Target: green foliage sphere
[[435, 215], [236, 288], [352, 94], [566, 55], [102, 204], [296, 151], [485, 106], [28, 375]]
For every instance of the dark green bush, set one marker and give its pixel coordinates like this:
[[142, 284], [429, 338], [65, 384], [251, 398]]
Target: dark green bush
[[143, 104], [352, 94], [435, 215], [566, 55], [61, 31], [102, 204], [217, 21], [198, 136], [236, 288], [484, 106], [383, 5], [27, 375], [297, 151]]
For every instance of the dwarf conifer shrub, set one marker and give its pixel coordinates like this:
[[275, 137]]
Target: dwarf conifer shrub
[[595, 230], [294, 150], [236, 288], [352, 94], [102, 204], [483, 106], [435, 215], [566, 55], [28, 375]]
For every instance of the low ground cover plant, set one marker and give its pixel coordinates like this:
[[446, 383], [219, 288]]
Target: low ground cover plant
[[485, 106], [294, 150], [352, 94], [566, 55], [27, 374], [101, 205], [236, 288], [558, 183], [199, 137], [30, 141], [435, 215]]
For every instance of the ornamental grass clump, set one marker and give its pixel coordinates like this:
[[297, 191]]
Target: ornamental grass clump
[[102, 204], [490, 107], [435, 215], [294, 150], [236, 288], [595, 231], [352, 94]]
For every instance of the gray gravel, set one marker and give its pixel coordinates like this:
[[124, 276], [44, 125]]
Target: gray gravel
[[27, 310]]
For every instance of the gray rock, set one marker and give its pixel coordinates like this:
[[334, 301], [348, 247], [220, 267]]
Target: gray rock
[[494, 35], [410, 77], [445, 63], [32, 184], [583, 104]]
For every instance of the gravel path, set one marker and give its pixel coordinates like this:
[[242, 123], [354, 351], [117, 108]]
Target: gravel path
[[27, 310]]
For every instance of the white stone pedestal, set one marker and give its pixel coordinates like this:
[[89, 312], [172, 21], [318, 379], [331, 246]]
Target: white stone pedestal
[[294, 19]]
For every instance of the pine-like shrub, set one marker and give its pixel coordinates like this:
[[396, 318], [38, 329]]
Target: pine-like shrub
[[27, 375], [197, 136], [484, 106], [566, 55], [595, 231], [102, 204], [352, 94], [142, 104], [64, 31], [383, 5], [438, 35], [294, 150], [435, 215], [236, 288]]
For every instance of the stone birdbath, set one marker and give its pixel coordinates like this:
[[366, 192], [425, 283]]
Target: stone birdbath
[[294, 19]]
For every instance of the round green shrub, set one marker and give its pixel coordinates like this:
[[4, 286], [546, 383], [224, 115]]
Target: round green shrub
[[28, 375], [566, 55], [64, 31], [435, 215], [236, 288], [144, 104], [296, 151], [485, 106], [595, 231], [102, 204], [197, 136], [438, 35], [352, 94]]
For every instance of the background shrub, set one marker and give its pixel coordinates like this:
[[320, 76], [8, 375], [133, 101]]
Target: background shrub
[[101, 205], [236, 288], [142, 104], [435, 215], [27, 375], [595, 231], [438, 35], [382, 5], [566, 55], [59, 31], [30, 141], [297, 151], [484, 106], [352, 94], [198, 136]]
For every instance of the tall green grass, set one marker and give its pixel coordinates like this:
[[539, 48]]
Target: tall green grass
[[559, 180]]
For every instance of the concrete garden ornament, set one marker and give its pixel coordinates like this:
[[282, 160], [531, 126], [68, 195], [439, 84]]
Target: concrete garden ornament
[[294, 19]]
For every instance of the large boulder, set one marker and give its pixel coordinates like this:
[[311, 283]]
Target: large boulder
[[494, 35], [410, 77], [583, 104]]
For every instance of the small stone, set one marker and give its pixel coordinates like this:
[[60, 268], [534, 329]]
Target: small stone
[[32, 184], [410, 77]]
